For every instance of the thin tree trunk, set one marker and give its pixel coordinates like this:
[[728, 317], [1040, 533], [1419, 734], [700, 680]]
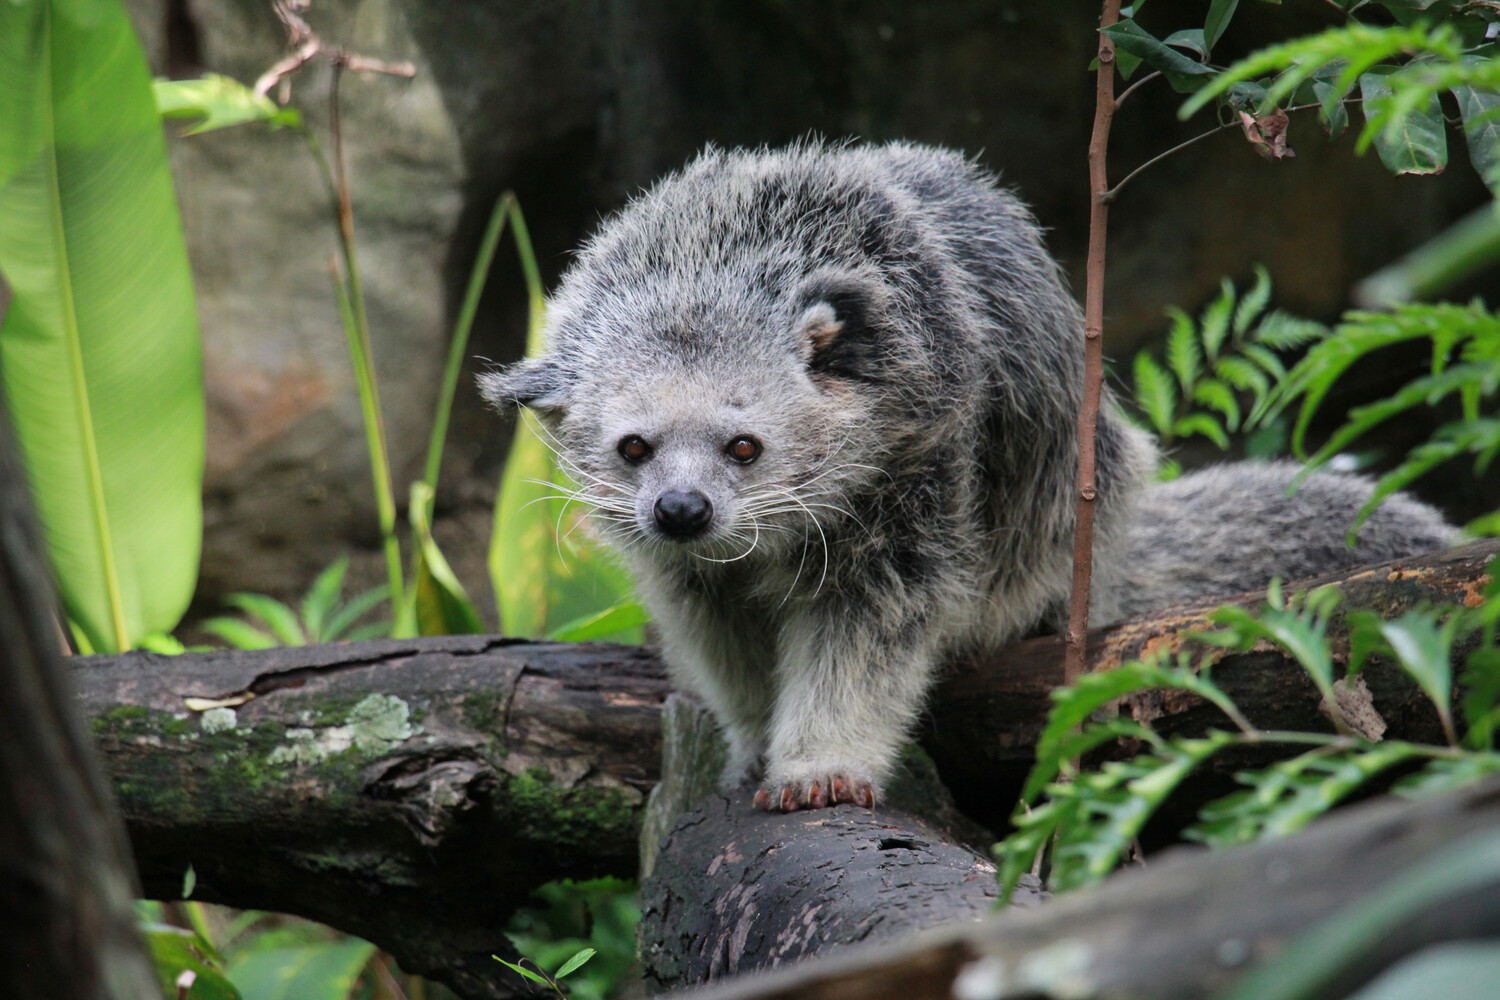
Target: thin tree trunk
[[66, 881]]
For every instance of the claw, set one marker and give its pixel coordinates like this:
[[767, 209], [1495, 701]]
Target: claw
[[840, 790], [763, 800], [816, 797], [864, 795], [789, 801]]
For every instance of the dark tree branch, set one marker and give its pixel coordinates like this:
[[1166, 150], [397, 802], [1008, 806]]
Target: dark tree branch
[[65, 877]]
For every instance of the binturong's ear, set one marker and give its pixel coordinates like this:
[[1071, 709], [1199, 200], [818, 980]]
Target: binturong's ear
[[837, 329], [540, 383]]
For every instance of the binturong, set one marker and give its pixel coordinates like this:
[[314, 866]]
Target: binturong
[[822, 402]]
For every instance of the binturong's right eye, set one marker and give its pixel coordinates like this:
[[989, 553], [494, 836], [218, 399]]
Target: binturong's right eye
[[633, 449]]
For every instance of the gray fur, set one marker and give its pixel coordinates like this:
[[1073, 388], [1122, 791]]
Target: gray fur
[[1231, 528], [885, 321]]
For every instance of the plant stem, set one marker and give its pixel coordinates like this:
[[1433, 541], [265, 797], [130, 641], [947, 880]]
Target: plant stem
[[1134, 86], [459, 343], [357, 327], [1093, 331]]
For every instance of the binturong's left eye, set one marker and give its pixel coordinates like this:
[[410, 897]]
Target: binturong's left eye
[[743, 449]]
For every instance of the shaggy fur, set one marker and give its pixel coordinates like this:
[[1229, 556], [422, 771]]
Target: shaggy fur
[[885, 328]]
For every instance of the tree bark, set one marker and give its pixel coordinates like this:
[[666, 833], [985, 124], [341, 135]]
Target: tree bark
[[1355, 894], [410, 792], [65, 879], [414, 792]]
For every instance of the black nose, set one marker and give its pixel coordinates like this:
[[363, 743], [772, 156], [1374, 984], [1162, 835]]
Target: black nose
[[683, 513]]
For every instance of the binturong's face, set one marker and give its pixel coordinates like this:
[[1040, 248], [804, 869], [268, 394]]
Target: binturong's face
[[711, 455]]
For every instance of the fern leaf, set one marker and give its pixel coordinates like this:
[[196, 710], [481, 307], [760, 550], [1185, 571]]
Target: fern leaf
[[1154, 393], [1183, 354], [1283, 332], [1218, 396], [1204, 424], [1213, 323], [1119, 799], [1290, 794], [1253, 302]]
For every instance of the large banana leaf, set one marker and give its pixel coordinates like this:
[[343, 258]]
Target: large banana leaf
[[99, 352]]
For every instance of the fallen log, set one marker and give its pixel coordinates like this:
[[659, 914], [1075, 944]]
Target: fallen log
[[1350, 898], [414, 792]]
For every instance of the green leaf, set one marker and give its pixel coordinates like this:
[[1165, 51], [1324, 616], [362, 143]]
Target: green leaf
[[1219, 13], [175, 951], [1441, 776], [1092, 692], [1189, 38], [1183, 73], [602, 624], [1154, 393], [1447, 442], [1481, 115], [1420, 648], [1419, 393], [238, 633], [322, 597], [1299, 630], [1201, 423], [1119, 800], [1214, 322], [442, 605], [1481, 699], [219, 102], [1414, 143], [1243, 376], [1217, 396], [1266, 441], [1358, 46], [574, 963], [345, 616], [1362, 334], [1183, 355], [1290, 794], [276, 616], [318, 971], [1283, 332], [1253, 303], [1331, 112], [99, 349], [161, 642], [522, 971]]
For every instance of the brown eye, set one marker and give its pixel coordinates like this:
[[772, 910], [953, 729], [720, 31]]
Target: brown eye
[[744, 449], [633, 449]]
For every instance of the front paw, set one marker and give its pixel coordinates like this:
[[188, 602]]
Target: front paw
[[788, 789]]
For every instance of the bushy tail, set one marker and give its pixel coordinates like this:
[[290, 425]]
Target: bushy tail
[[1232, 528]]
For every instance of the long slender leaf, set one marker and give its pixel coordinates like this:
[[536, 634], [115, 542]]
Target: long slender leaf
[[99, 351]]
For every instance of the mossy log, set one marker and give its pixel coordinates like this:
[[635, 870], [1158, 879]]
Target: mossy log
[[414, 792]]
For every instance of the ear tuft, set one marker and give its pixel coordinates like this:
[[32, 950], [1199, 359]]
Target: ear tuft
[[817, 327], [540, 383], [839, 327]]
